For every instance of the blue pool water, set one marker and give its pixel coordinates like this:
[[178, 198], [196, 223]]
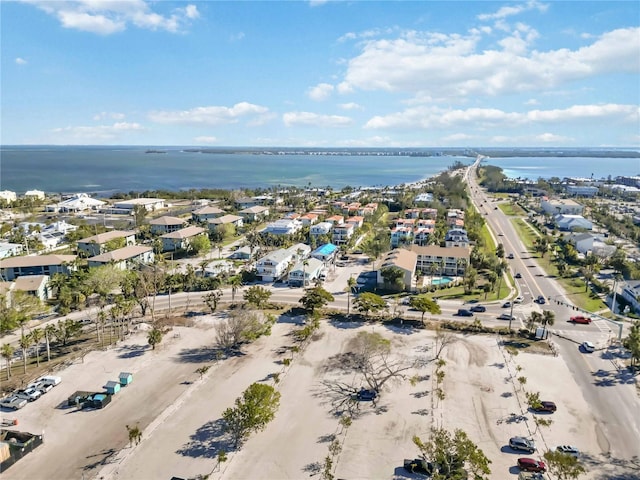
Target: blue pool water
[[441, 281]]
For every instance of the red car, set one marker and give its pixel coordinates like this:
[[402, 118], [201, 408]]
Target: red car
[[531, 465], [580, 319]]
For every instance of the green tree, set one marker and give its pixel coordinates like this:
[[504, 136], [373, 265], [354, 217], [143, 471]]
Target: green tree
[[24, 342], [235, 282], [393, 278], [548, 319], [351, 284], [115, 244], [18, 310], [49, 334], [7, 353], [212, 299], [66, 329], [315, 298], [563, 465], [424, 304], [368, 302], [36, 335], [135, 434], [632, 343], [455, 456], [200, 244], [155, 337], [257, 296], [252, 412]]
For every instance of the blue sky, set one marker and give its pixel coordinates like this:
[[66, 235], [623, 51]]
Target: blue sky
[[321, 73]]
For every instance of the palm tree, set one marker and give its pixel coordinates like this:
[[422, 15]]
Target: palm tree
[[236, 283], [7, 353], [351, 282], [49, 333], [36, 335], [548, 318], [25, 343]]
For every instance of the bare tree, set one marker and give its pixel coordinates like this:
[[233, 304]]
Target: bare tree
[[242, 326]]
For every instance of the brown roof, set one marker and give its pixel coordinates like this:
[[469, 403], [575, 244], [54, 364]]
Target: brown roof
[[437, 251], [36, 261], [106, 236], [401, 257], [256, 209], [187, 232], [224, 219], [209, 210], [120, 254], [167, 220], [30, 283]]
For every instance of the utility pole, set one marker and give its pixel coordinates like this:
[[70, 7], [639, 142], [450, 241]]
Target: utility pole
[[511, 316]]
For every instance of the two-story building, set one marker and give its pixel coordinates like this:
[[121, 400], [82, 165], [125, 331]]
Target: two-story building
[[180, 239], [206, 213], [456, 237], [342, 233], [256, 213], [322, 228], [451, 261], [97, 244], [274, 265], [15, 267], [10, 249], [308, 269], [325, 253], [235, 220], [405, 260], [283, 226], [166, 224], [124, 258], [36, 285]]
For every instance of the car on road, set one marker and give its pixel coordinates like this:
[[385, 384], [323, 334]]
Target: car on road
[[531, 465], [511, 256], [366, 394], [518, 275], [518, 299], [568, 450], [522, 443], [478, 308], [580, 319], [13, 402], [506, 316], [506, 305], [463, 312], [548, 407], [588, 347], [540, 300]]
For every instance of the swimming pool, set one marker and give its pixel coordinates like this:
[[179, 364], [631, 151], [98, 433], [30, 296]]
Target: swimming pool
[[441, 280]]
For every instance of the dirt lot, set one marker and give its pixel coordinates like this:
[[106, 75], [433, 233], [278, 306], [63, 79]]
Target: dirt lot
[[180, 413]]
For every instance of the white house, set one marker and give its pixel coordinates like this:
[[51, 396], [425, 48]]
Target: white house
[[582, 190], [342, 233], [631, 293], [150, 204], [124, 258], [37, 194], [97, 244], [255, 213], [572, 222], [77, 203], [322, 228], [283, 226], [561, 206], [235, 220], [308, 269], [274, 265], [10, 249], [8, 196], [36, 285], [456, 237]]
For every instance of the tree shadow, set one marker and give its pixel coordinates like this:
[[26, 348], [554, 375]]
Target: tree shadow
[[207, 441], [497, 365], [405, 327], [422, 394], [312, 468], [604, 378], [104, 457], [330, 437], [506, 394], [132, 351], [206, 354], [344, 324], [422, 412]]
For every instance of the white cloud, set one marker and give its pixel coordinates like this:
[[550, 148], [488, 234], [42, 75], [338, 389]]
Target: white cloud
[[320, 92], [532, 101], [455, 66], [511, 10], [21, 61], [205, 140], [214, 115], [552, 138], [351, 106], [108, 115], [105, 17], [96, 133], [310, 119], [423, 117]]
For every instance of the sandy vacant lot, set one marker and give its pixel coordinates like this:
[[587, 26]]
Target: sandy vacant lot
[[180, 413]]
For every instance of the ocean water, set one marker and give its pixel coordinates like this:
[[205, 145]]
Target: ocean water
[[105, 170]]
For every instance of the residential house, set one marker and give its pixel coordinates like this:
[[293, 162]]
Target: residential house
[[242, 253], [335, 219], [10, 249], [300, 251], [412, 213], [325, 253], [234, 220], [423, 198], [322, 228], [308, 270], [357, 221], [456, 237], [35, 194], [247, 202], [591, 243], [405, 260], [77, 203], [455, 218], [368, 209], [180, 239], [97, 244], [255, 213], [274, 265], [401, 236], [572, 222], [8, 196], [166, 224], [431, 213], [308, 219], [124, 258], [36, 285], [451, 261], [149, 204], [14, 267], [207, 213], [283, 226], [342, 233], [561, 206]]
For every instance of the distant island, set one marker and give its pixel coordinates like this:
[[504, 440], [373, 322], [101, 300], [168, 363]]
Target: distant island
[[155, 151]]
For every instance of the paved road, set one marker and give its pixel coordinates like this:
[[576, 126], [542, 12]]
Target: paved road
[[611, 392]]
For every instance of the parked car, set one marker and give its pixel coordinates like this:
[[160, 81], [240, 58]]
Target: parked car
[[580, 319], [506, 305], [549, 407], [506, 316], [478, 308], [50, 379], [367, 395], [13, 402], [31, 394], [588, 347], [531, 465], [518, 275], [522, 443], [569, 450], [418, 465], [463, 312], [42, 387]]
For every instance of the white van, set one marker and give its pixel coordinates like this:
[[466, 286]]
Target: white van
[[50, 380]]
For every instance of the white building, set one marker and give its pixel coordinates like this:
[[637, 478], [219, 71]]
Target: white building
[[8, 196], [308, 269], [274, 265], [631, 293], [10, 249], [572, 222], [582, 190], [284, 226], [97, 244], [456, 237], [322, 228], [77, 203], [150, 204], [124, 258], [37, 194], [561, 206]]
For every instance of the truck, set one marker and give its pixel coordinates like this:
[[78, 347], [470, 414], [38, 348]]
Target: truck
[[84, 399], [13, 402]]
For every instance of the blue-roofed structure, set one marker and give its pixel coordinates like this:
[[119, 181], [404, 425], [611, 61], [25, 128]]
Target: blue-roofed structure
[[326, 252]]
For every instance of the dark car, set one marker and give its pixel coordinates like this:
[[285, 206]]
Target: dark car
[[531, 465], [540, 300], [506, 305], [549, 407], [518, 275], [463, 312], [366, 395], [478, 308], [522, 443]]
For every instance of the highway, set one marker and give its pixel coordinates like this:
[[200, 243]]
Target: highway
[[611, 392]]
